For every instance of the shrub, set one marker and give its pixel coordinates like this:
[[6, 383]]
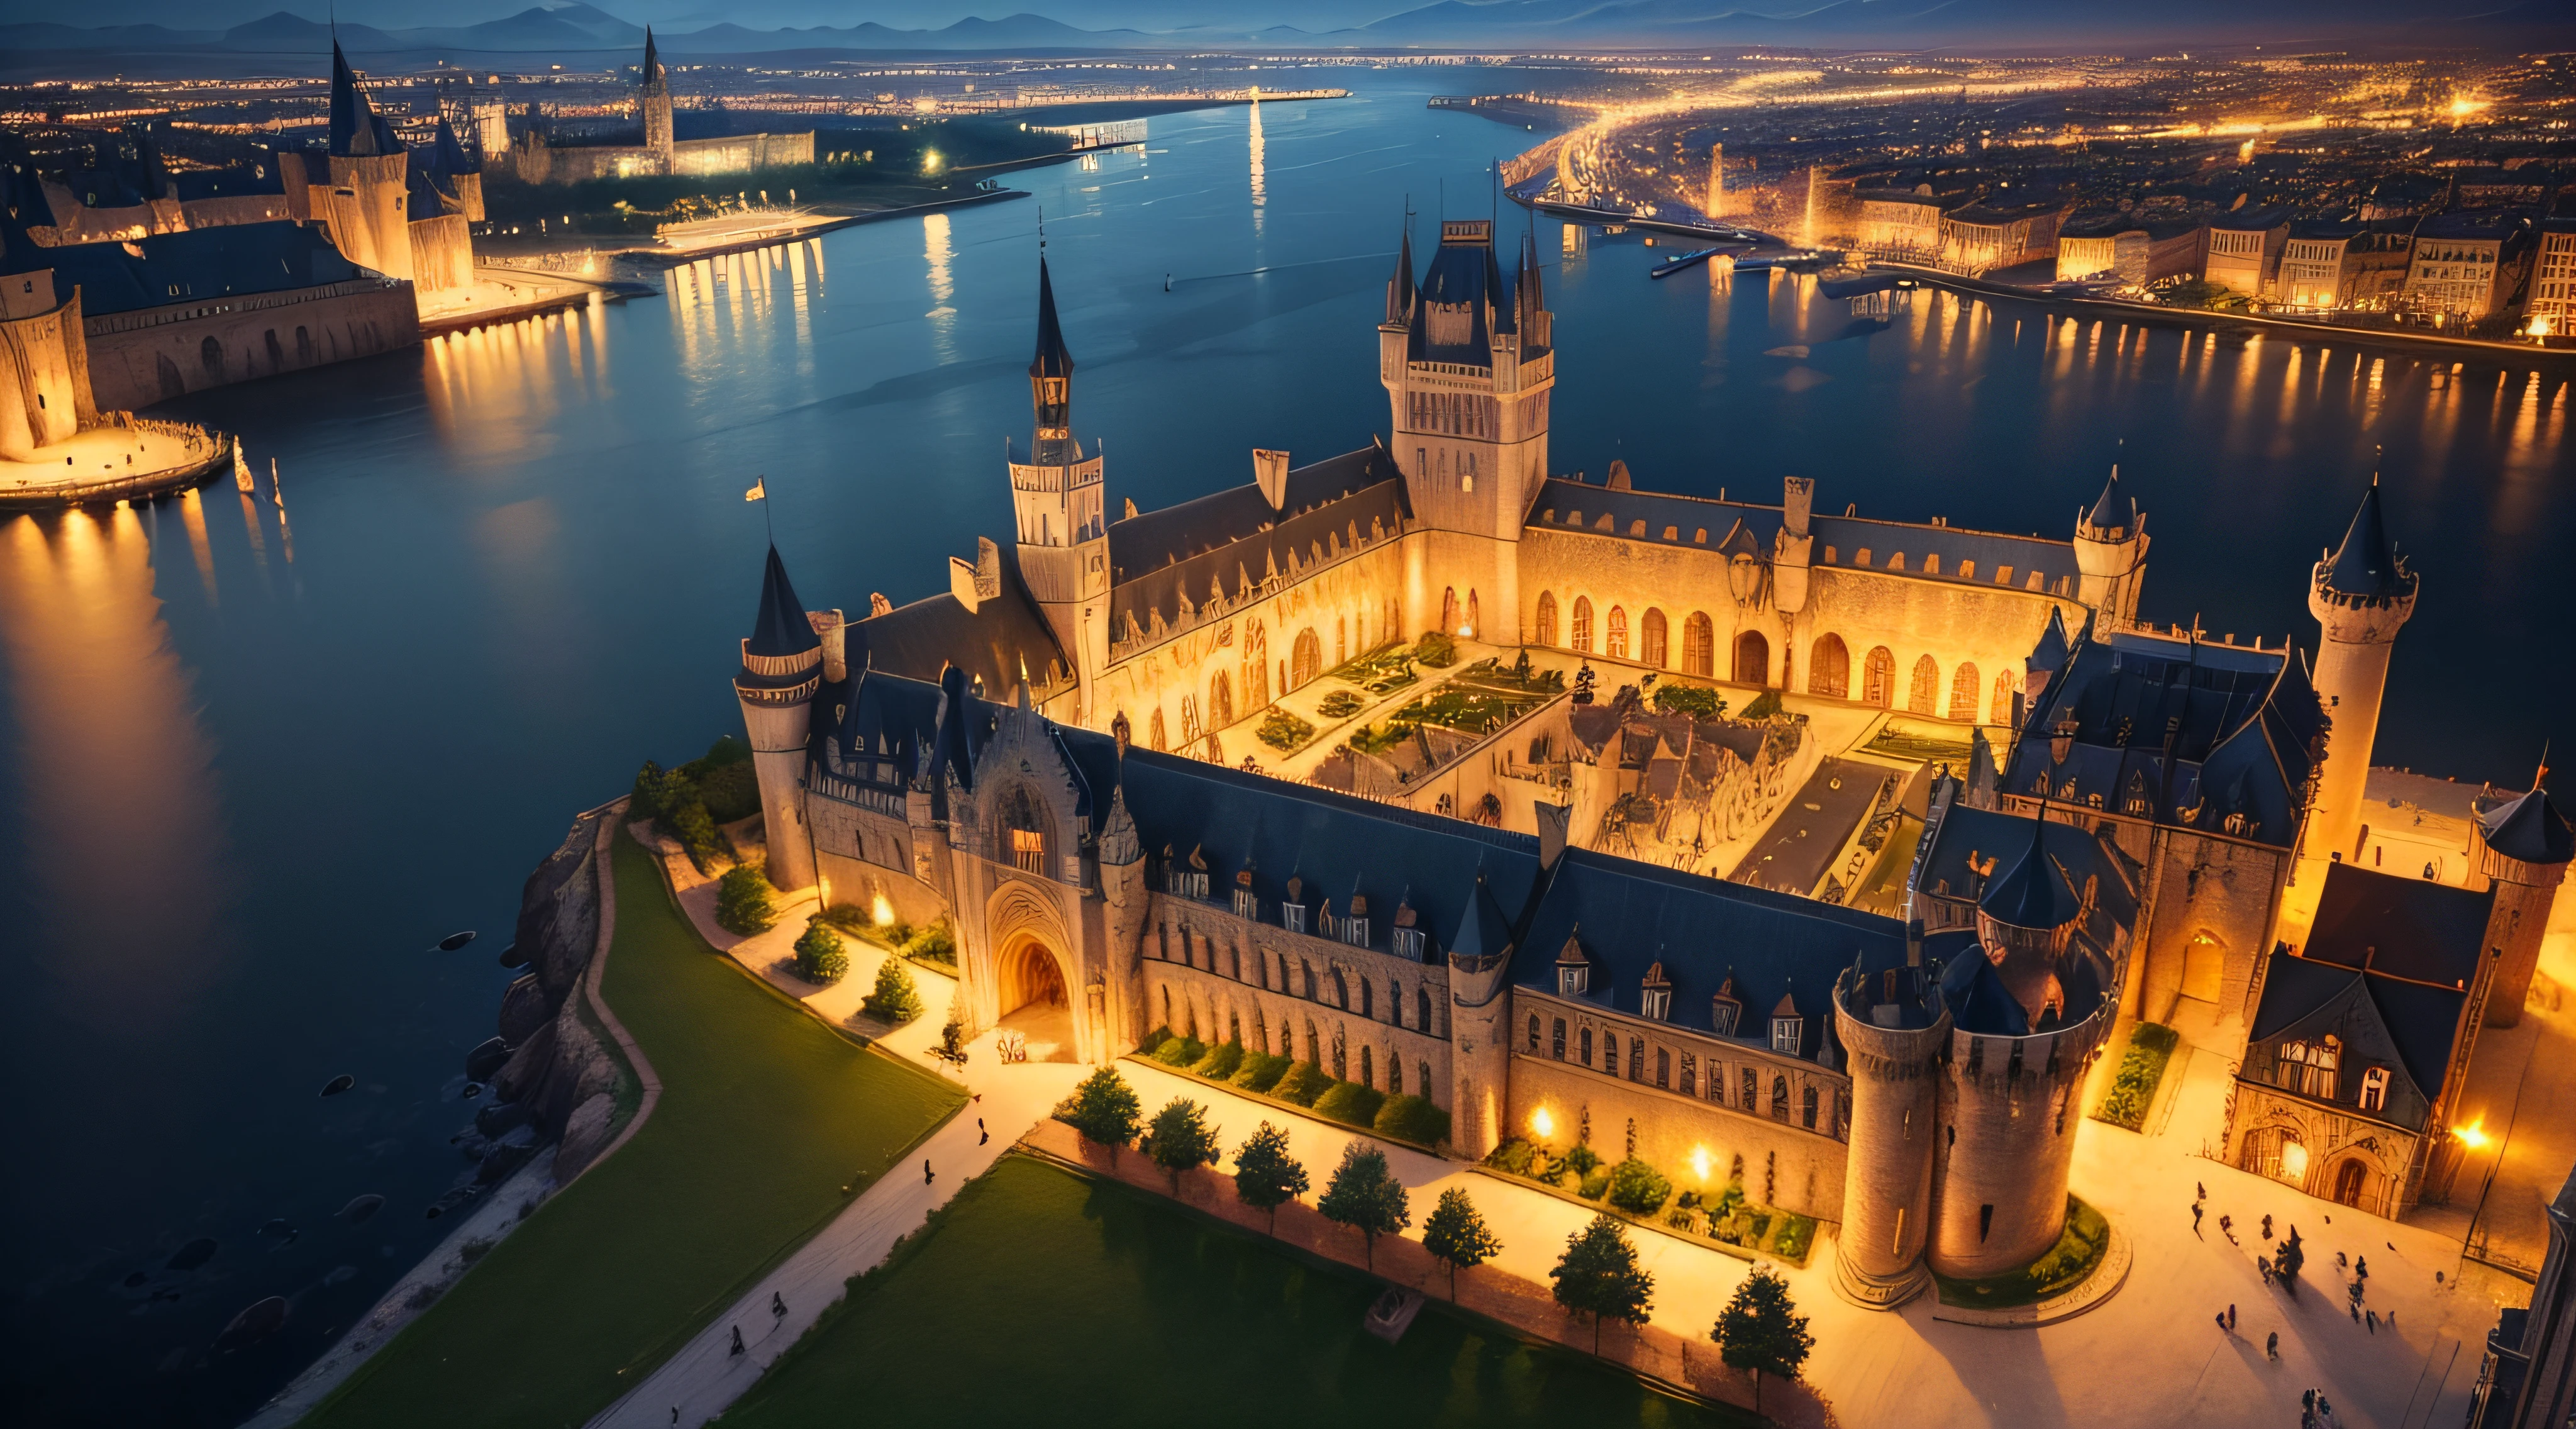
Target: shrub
[[1301, 1084], [1104, 1109], [1582, 1158], [1350, 1104], [730, 792], [1340, 704], [690, 824], [742, 900], [1436, 650], [2142, 1067], [1283, 731], [935, 944], [1596, 1184], [895, 1000], [2077, 1250], [645, 800], [1153, 1039], [1638, 1188], [820, 958], [1221, 1061], [1180, 1051], [1797, 1232], [1260, 1071], [1697, 701], [724, 751], [1512, 1157], [1765, 705], [1407, 1117]]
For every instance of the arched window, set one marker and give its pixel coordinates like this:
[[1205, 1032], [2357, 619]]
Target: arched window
[[2325, 1062], [1583, 623], [1190, 730], [1651, 640], [1617, 649], [1449, 610], [1154, 731], [1752, 659], [1368, 1068], [1610, 1053], [1422, 1016], [1924, 697], [1699, 646], [1314, 1049], [1965, 686], [1256, 666], [1546, 617], [1424, 1069], [1807, 1110], [1878, 678], [1023, 833], [1368, 998], [210, 355], [2005, 688], [1306, 660], [1395, 1076], [1663, 1067], [1533, 1032], [1260, 1031], [1779, 1098], [1829, 670], [1220, 701]]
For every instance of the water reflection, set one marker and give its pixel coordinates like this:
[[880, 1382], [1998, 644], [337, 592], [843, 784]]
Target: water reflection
[[943, 318], [117, 774], [1260, 187]]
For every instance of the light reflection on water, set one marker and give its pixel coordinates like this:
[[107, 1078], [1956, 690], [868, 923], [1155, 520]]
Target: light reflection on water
[[248, 792]]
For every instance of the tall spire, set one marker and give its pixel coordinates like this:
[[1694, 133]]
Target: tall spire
[[1399, 289], [652, 58], [357, 130], [2108, 513], [1051, 370], [2367, 564], [2031, 895], [781, 628]]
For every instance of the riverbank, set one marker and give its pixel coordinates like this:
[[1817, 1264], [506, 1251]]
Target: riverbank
[[99, 467]]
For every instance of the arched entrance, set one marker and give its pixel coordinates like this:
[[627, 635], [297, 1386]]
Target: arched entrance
[[1752, 659], [1035, 1000], [2350, 1178]]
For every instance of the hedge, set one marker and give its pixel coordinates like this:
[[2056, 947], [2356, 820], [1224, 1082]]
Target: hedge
[[1301, 1084], [1350, 1104], [1179, 1051], [1221, 1061], [1260, 1071], [1407, 1117], [1637, 1188]]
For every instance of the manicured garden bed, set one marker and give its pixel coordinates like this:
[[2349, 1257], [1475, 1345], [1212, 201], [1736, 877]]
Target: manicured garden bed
[[2078, 1250], [1039, 1295], [767, 1122], [2141, 1070], [1412, 1120], [1640, 1193], [1382, 671]]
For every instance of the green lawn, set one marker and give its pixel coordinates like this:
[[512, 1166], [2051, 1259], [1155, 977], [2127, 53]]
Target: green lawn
[[765, 1114], [1040, 1296]]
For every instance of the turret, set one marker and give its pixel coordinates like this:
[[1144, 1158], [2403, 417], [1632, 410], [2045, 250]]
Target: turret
[[1480, 957], [1894, 1029], [653, 106], [2524, 847], [2111, 555], [2361, 594], [782, 667], [1057, 495], [364, 205]]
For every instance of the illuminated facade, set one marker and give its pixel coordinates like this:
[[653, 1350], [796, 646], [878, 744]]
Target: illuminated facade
[[537, 160]]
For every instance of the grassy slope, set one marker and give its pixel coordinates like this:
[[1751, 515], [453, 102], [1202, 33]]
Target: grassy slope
[[764, 1115], [1042, 1295]]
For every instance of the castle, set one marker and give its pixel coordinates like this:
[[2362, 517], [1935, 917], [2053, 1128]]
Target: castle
[[1871, 980], [537, 158]]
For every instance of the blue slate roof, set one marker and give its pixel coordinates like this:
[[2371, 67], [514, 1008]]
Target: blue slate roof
[[780, 628], [182, 267], [2377, 1018], [992, 643], [2032, 892], [1181, 550], [2529, 828], [2367, 564], [357, 130], [2410, 928], [2244, 734], [1052, 359]]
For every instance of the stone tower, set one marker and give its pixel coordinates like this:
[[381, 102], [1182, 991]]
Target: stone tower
[[2362, 594], [2028, 1016], [370, 180], [2111, 555], [782, 667], [1480, 1049], [1468, 361], [2524, 846], [1895, 1031], [653, 106], [1057, 494]]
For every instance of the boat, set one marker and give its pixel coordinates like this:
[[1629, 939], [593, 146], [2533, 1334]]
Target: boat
[[1669, 267]]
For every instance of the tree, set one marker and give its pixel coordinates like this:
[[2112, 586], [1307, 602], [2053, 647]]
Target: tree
[[1365, 1196], [1180, 1139], [1104, 1109], [1761, 1331], [895, 1000], [1265, 1175], [2286, 1262], [1598, 1275], [1455, 1233], [742, 900], [1638, 1187], [819, 955]]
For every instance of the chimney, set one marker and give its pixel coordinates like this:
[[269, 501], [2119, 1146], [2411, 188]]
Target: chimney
[[1270, 473], [1553, 821], [834, 629]]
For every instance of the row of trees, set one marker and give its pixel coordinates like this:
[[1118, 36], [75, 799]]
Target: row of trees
[[1599, 1275]]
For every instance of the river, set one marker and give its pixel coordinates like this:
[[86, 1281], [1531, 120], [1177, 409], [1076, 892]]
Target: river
[[261, 762]]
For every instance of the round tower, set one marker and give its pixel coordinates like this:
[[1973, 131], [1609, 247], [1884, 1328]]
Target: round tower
[[2111, 555], [2524, 846], [1894, 1030], [782, 667], [1480, 1049], [2361, 595], [2029, 1013]]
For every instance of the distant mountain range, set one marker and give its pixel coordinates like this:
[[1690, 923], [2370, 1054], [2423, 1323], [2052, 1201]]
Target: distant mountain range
[[581, 28]]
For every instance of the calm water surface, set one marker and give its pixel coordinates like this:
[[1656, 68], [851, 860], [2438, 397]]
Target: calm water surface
[[260, 764]]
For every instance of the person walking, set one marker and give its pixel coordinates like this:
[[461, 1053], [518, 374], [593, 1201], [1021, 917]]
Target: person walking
[[2264, 1263], [2361, 1267], [2356, 1311], [2195, 1218], [981, 1135], [2272, 1345], [737, 1340], [2222, 1322], [777, 1305], [2231, 1319], [926, 1175], [2371, 1319], [2199, 1192]]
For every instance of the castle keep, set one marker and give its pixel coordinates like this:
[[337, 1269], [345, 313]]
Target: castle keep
[[1857, 943]]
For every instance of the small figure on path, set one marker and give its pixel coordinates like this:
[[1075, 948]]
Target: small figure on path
[[2361, 1266], [777, 1305], [2195, 1218], [2267, 1228], [737, 1339], [2340, 1262], [927, 1176], [2222, 1322], [2272, 1345], [2199, 1192], [2355, 1306], [2231, 1317], [2264, 1263], [2371, 1319], [675, 1414], [981, 1135]]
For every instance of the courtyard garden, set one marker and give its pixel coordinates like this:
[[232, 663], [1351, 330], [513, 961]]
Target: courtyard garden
[[2141, 1070], [1481, 699], [613, 1273], [1381, 671], [1041, 1294], [2078, 1250], [1642, 1193]]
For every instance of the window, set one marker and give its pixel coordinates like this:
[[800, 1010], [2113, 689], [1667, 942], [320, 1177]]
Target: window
[[1965, 686], [1722, 1013], [1583, 1047], [1779, 1098], [2323, 1061], [1690, 1069], [1786, 1032], [1618, 647], [1355, 931], [1650, 635], [2291, 1066], [1807, 1109], [1422, 1015], [1657, 1002], [1292, 916], [1570, 980], [1752, 659], [1028, 850], [1663, 1067], [1546, 618], [1699, 645], [1924, 694], [1368, 1068], [1423, 1070], [1583, 623], [1368, 998], [1247, 904], [1559, 1036], [2374, 1089], [1533, 1032], [1877, 678], [1829, 669], [1751, 1081], [1636, 1059]]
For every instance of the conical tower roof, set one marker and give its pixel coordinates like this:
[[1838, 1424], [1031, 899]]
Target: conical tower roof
[[2031, 894], [447, 156], [2051, 652], [1052, 359], [2529, 829], [781, 628], [2111, 511], [1399, 289], [357, 130], [2367, 563], [652, 57]]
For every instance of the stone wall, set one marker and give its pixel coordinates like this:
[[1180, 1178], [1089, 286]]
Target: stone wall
[[154, 354], [1784, 1165], [43, 393], [2221, 894]]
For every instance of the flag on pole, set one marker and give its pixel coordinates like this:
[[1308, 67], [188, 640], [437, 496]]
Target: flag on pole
[[759, 490]]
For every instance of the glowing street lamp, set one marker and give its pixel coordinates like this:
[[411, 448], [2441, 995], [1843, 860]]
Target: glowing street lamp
[[1542, 1125]]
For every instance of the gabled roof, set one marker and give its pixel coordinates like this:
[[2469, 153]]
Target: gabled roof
[[780, 628], [2410, 928], [2032, 891], [992, 643], [2049, 655], [447, 157], [2367, 564], [2304, 1000], [227, 260], [1231, 537], [2529, 828]]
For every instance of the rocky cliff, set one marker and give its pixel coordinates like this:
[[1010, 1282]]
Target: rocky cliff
[[561, 1075]]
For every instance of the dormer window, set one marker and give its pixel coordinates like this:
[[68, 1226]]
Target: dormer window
[[1292, 916], [1247, 904], [1655, 997], [2374, 1089], [1408, 943], [1787, 1033], [1354, 929], [1573, 971], [1724, 1010]]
